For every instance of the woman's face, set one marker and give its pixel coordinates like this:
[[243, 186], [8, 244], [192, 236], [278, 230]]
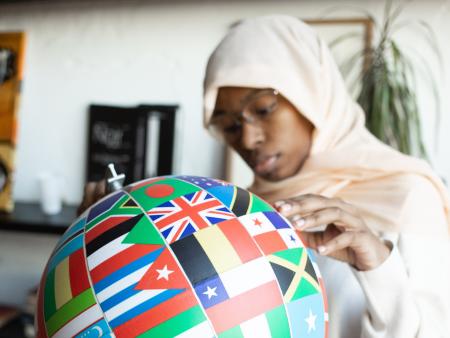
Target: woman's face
[[265, 129]]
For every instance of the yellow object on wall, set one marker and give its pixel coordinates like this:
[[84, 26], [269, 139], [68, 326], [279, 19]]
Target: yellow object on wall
[[9, 99]]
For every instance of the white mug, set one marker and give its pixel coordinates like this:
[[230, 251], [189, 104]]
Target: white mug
[[50, 193]]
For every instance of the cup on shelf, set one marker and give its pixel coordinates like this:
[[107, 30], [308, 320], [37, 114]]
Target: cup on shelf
[[50, 193]]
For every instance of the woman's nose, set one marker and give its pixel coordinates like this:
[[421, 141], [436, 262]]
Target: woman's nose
[[252, 135]]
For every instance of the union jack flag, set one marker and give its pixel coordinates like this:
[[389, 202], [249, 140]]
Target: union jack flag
[[186, 214]]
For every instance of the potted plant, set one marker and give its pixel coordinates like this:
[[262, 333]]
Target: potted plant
[[386, 87]]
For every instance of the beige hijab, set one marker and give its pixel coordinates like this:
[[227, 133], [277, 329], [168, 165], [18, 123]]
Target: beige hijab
[[346, 161]]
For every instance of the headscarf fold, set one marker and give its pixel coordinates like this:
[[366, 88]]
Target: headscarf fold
[[283, 53]]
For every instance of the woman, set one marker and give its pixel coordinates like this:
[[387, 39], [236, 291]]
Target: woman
[[273, 93]]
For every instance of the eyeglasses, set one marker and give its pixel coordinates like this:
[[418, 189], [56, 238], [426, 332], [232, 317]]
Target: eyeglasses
[[256, 109]]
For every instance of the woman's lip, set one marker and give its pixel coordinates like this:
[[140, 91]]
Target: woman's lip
[[266, 165]]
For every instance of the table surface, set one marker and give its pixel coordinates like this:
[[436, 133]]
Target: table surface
[[28, 217]]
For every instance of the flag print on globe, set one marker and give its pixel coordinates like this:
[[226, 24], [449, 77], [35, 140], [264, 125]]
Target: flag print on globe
[[186, 214], [181, 256]]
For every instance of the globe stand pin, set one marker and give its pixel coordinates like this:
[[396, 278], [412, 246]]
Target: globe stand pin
[[114, 181]]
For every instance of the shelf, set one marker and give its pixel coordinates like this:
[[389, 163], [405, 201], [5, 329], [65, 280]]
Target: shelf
[[28, 217]]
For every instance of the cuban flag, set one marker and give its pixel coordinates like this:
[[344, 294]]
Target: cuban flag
[[186, 214]]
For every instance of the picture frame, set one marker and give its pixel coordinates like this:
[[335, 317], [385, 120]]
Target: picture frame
[[12, 50], [139, 141]]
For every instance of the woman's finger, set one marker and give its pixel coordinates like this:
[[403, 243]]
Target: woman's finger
[[100, 190], [330, 215], [310, 203], [306, 204], [89, 193], [340, 242], [317, 238], [92, 192], [312, 239], [290, 207]]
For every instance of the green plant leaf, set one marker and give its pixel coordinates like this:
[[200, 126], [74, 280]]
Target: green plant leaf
[[387, 87]]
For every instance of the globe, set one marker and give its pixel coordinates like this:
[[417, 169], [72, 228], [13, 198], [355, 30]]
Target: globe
[[181, 256]]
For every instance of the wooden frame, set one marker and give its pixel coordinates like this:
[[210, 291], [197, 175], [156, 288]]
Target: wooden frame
[[236, 171], [366, 22], [9, 104]]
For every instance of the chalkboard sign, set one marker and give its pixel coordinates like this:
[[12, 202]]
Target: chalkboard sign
[[121, 136]]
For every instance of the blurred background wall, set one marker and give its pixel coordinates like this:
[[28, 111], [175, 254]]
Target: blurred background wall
[[132, 52]]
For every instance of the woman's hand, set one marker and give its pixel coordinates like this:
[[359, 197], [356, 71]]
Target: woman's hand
[[93, 191], [346, 237]]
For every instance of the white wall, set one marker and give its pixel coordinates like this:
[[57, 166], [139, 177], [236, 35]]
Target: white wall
[[133, 52], [125, 54]]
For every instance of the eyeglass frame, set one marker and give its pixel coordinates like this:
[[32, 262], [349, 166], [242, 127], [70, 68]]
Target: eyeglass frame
[[240, 116]]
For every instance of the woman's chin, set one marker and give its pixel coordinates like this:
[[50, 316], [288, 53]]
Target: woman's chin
[[272, 176]]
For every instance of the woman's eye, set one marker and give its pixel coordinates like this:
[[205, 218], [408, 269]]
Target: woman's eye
[[266, 110], [232, 129], [263, 111]]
